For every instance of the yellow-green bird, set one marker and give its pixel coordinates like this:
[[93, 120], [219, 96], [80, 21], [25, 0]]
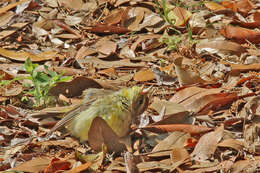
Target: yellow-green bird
[[119, 109]]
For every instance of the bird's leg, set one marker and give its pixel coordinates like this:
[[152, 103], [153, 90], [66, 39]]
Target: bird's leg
[[128, 143]]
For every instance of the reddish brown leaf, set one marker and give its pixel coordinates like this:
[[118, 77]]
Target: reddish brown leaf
[[66, 28], [101, 133], [108, 29], [238, 68], [241, 35], [57, 165], [207, 144], [74, 87], [192, 129], [244, 6], [221, 100], [114, 17]]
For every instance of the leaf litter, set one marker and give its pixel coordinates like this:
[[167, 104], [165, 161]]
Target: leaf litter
[[200, 57]]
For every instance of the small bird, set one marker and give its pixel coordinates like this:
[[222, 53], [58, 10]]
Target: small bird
[[119, 110]]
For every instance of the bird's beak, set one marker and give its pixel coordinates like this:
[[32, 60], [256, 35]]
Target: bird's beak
[[147, 91]]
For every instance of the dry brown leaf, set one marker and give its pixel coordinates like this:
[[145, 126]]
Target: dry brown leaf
[[5, 18], [145, 75], [74, 87], [185, 76], [67, 143], [179, 15], [101, 133], [207, 145], [108, 72], [10, 6], [22, 56], [16, 26], [37, 164], [11, 90], [244, 6], [143, 38], [100, 64], [247, 165], [188, 128], [80, 168], [202, 101], [178, 157], [221, 45], [114, 17], [154, 165], [174, 140], [57, 165], [106, 47], [170, 107], [186, 93], [232, 143], [136, 16], [148, 75], [107, 29], [84, 51], [78, 5], [241, 35], [214, 6], [238, 68]]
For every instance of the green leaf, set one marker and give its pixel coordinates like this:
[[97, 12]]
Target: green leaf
[[42, 81]]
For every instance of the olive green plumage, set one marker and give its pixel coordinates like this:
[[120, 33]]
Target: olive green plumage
[[118, 109]]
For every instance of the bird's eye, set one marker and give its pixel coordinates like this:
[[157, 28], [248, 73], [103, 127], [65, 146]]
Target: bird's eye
[[141, 100]]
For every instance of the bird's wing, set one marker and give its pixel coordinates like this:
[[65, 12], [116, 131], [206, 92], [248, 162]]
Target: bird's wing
[[90, 96]]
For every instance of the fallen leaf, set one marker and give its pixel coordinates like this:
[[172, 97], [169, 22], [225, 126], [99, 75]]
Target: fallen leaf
[[170, 107], [37, 164], [74, 87], [148, 75], [232, 143], [220, 45], [101, 133], [136, 16], [22, 56], [214, 6], [16, 26], [164, 78], [244, 6], [179, 16], [114, 17], [207, 145], [248, 165], [6, 17], [100, 64], [185, 76], [144, 75], [239, 68], [241, 35], [174, 140], [80, 168], [188, 128], [10, 6], [106, 46], [107, 29], [154, 165], [57, 165]]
